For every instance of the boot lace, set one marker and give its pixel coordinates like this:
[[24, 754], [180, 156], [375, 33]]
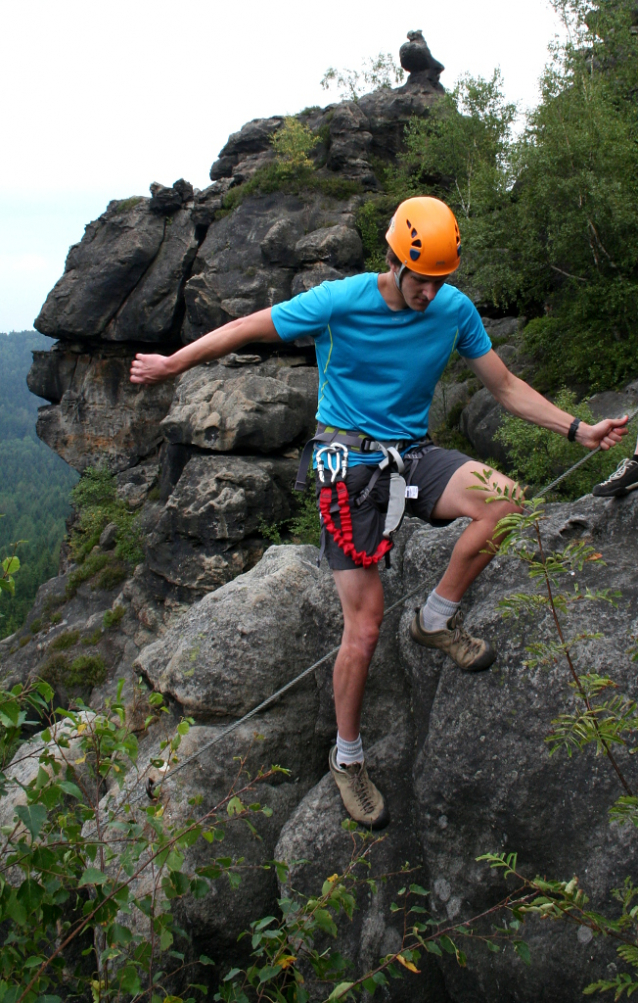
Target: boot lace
[[622, 469], [362, 790], [461, 636]]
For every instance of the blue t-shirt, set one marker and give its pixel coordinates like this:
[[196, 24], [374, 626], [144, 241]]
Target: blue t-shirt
[[378, 367]]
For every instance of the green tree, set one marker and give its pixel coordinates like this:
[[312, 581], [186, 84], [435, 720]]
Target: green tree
[[32, 515], [292, 144], [376, 72], [574, 251]]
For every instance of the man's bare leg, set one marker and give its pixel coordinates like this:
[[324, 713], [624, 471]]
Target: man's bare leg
[[361, 598], [438, 625], [469, 556]]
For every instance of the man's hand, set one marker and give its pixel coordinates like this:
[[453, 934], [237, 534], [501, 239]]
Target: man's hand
[[606, 433], [256, 327], [150, 369]]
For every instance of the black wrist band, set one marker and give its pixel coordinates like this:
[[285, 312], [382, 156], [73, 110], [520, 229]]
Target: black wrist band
[[573, 428]]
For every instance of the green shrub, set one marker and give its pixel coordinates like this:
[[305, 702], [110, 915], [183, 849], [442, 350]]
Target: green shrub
[[537, 456], [85, 670], [113, 574], [271, 178], [304, 525], [271, 530], [97, 505], [125, 204], [36, 625], [113, 616], [65, 640], [93, 563], [577, 347], [292, 143], [92, 639], [372, 220]]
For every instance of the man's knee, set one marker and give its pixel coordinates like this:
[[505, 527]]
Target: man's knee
[[363, 633]]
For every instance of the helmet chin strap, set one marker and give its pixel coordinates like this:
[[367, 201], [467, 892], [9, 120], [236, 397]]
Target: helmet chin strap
[[398, 276]]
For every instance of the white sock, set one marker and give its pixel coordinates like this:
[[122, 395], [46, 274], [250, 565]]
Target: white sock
[[349, 752], [437, 611]]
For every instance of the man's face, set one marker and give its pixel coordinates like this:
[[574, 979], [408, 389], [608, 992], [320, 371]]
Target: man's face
[[419, 290]]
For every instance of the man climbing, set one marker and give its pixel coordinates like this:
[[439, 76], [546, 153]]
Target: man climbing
[[382, 342]]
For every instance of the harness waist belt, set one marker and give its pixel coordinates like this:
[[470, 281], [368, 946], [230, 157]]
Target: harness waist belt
[[354, 440]]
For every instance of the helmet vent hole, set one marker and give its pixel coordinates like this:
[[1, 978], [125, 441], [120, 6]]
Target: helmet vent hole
[[409, 224], [417, 243]]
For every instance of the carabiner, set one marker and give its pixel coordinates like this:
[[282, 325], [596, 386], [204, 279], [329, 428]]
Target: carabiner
[[335, 458]]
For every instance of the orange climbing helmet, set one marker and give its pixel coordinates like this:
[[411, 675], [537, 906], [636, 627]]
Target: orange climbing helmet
[[424, 235]]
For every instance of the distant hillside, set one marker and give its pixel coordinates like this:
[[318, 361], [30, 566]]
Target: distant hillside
[[35, 483]]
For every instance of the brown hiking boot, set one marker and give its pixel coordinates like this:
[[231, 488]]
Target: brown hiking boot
[[470, 653], [363, 802]]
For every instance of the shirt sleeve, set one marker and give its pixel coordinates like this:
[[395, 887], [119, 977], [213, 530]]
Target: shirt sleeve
[[474, 340], [308, 313]]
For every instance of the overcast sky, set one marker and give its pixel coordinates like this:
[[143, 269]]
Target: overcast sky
[[98, 99]]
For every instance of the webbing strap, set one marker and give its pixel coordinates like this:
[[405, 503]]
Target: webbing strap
[[396, 504], [357, 441]]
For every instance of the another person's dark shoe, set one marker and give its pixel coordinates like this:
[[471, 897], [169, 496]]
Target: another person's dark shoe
[[470, 653], [623, 480], [363, 802]]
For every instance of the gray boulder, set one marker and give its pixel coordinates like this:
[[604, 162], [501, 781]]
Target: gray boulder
[[313, 276], [151, 311], [339, 246], [224, 409], [253, 138], [480, 421], [483, 779], [416, 58], [237, 645], [502, 327], [613, 405], [247, 261], [102, 270], [447, 398], [133, 485], [278, 246], [313, 839], [210, 528]]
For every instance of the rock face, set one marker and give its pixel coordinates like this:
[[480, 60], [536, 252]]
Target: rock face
[[209, 531], [461, 758], [154, 273], [98, 417], [253, 408]]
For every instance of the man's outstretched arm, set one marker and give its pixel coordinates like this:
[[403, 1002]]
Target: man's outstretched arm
[[243, 331], [522, 400]]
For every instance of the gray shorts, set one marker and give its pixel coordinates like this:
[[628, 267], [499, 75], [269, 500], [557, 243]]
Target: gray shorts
[[433, 471]]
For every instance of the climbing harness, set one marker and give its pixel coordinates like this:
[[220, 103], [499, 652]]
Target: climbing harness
[[332, 461], [150, 790]]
